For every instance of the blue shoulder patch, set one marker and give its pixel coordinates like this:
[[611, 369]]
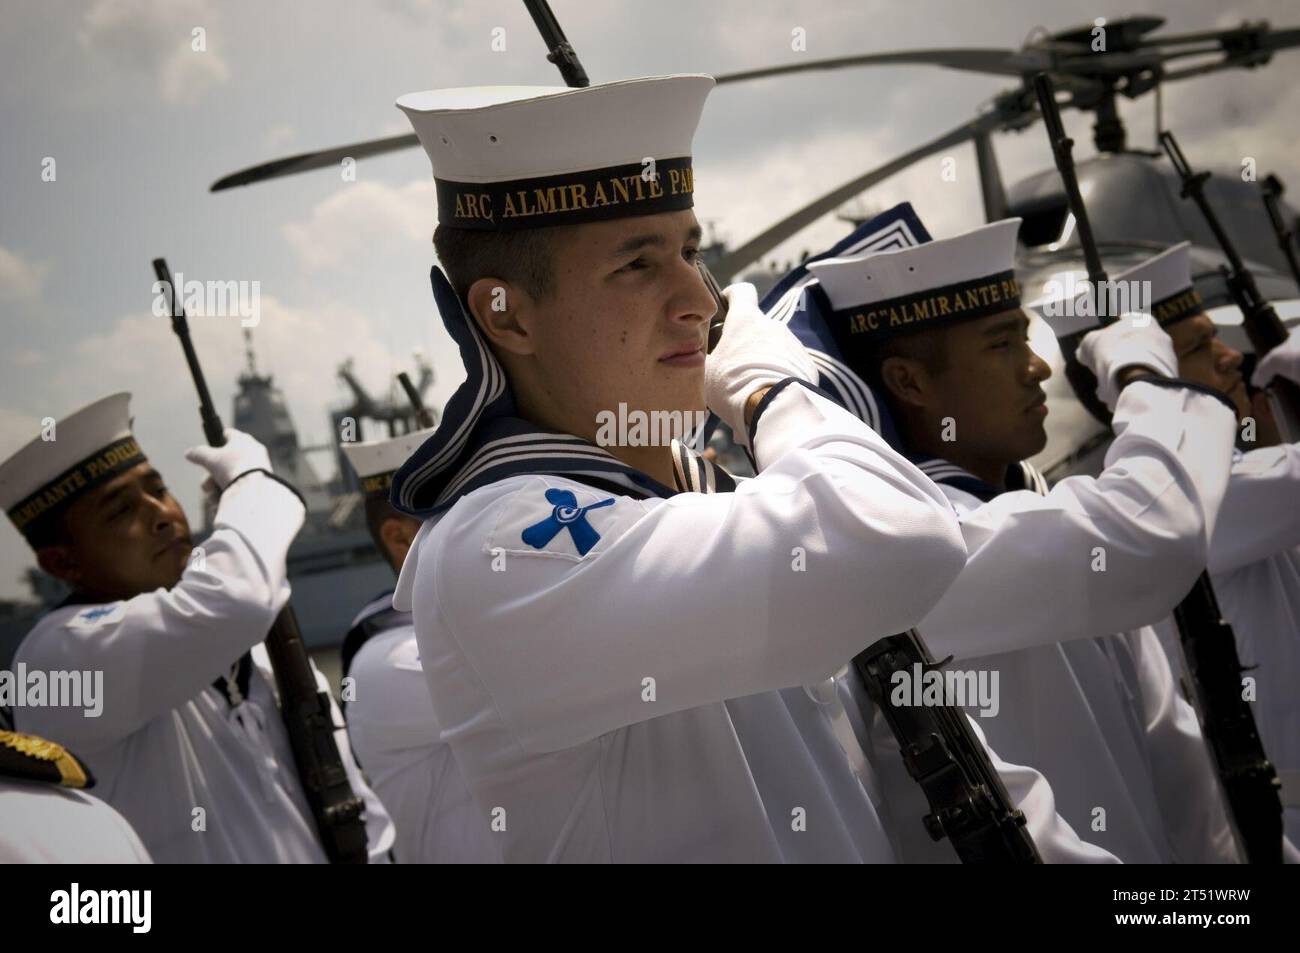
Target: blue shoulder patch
[[565, 512], [543, 519], [93, 617]]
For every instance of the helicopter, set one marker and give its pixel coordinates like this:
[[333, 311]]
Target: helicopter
[[1134, 195]]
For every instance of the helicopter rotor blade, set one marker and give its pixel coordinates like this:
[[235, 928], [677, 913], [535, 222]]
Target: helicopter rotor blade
[[736, 259], [1274, 40], [1050, 56], [314, 160], [1240, 59], [1179, 39], [1245, 46], [1260, 34], [997, 62], [1201, 69]]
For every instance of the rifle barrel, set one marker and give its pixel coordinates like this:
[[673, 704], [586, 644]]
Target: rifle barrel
[[422, 415], [212, 427], [1062, 146], [1194, 188], [1271, 188], [557, 44], [304, 709]]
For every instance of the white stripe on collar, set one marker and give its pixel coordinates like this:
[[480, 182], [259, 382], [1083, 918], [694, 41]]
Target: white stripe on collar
[[858, 398], [519, 449], [491, 387]]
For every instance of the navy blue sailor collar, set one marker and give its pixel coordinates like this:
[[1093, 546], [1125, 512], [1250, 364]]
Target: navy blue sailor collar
[[1020, 476], [798, 302]]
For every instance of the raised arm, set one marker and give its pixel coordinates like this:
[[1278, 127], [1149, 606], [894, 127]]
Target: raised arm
[[1094, 556], [161, 648]]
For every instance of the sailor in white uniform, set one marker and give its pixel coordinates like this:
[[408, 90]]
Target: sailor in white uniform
[[390, 718], [187, 743], [615, 634], [46, 816], [938, 330], [1254, 558]]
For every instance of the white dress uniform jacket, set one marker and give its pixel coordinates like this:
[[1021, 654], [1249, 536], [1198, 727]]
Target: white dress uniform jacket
[[1100, 715], [200, 779], [395, 736], [637, 700], [1255, 568], [46, 824]]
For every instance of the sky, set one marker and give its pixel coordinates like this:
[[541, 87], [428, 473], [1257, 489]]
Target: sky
[[138, 123]]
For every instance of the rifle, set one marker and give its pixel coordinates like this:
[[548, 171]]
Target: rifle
[[1272, 190], [968, 802], [305, 710], [559, 51], [423, 416], [1249, 782], [1260, 322], [1249, 779]]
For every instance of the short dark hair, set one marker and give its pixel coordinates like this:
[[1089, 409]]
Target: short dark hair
[[50, 532], [521, 257], [929, 347]]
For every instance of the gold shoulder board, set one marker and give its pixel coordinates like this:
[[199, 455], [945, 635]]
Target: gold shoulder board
[[35, 759]]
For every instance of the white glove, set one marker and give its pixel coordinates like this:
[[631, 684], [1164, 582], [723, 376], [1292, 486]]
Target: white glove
[[240, 454], [1283, 361], [1136, 339], [754, 352]]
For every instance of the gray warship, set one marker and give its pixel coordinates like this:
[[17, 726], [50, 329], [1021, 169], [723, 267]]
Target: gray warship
[[333, 566]]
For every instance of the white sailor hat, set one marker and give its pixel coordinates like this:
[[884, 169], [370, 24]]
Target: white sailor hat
[[1173, 296], [881, 294], [86, 449], [513, 157], [376, 461]]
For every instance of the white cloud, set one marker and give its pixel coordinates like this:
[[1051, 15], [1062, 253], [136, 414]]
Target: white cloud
[[20, 279], [140, 36], [430, 13], [395, 125], [187, 74], [756, 192], [279, 136], [300, 347], [359, 217], [759, 36], [26, 357]]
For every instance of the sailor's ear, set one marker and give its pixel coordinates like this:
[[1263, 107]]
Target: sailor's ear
[[397, 534], [496, 306], [906, 380], [59, 561]]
